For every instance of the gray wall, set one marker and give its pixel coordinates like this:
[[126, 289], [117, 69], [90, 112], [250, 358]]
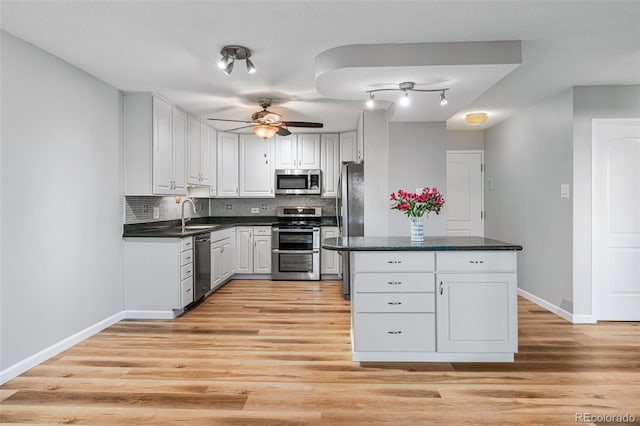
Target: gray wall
[[376, 173], [527, 158], [468, 139], [417, 158], [589, 103], [62, 201]]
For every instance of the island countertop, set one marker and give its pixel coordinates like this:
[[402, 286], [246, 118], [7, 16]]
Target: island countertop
[[405, 244]]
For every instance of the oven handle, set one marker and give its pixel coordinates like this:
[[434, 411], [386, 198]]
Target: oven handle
[[295, 230], [295, 251]]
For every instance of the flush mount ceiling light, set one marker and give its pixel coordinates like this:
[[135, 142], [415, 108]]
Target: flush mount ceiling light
[[229, 56], [476, 118], [405, 87]]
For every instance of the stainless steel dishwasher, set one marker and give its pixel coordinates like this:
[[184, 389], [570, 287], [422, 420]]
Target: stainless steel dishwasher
[[202, 283]]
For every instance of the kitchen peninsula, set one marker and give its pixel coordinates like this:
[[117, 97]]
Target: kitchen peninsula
[[445, 299]]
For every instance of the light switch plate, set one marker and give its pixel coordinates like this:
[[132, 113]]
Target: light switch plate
[[490, 184], [156, 212], [255, 210], [564, 190]]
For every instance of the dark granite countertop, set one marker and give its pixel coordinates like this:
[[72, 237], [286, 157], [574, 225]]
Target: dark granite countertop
[[173, 228], [405, 244]]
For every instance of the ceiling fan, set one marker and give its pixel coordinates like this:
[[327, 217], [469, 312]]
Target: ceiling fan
[[266, 123]]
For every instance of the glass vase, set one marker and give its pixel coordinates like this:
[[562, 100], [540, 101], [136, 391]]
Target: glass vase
[[417, 229]]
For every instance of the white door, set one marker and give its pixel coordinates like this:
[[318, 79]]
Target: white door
[[179, 168], [194, 151], [244, 250], [616, 219], [205, 154], [347, 146], [464, 198], [162, 147], [330, 164], [262, 254], [213, 160], [216, 264], [329, 259]]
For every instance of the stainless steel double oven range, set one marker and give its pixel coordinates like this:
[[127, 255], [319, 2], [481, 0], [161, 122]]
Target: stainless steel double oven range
[[295, 244]]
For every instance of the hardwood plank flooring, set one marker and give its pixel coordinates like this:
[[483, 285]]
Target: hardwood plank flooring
[[279, 353]]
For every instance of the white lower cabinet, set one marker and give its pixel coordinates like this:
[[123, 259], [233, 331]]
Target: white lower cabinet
[[434, 306], [330, 260], [158, 276], [253, 250], [222, 256]]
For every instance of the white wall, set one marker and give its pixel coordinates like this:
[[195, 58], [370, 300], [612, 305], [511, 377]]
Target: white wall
[[417, 158], [62, 201], [376, 173], [468, 139], [528, 156], [589, 103]]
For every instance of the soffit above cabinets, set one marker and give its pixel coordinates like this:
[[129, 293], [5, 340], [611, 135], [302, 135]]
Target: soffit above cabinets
[[468, 69]]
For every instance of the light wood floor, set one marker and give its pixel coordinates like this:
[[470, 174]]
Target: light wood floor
[[278, 353]]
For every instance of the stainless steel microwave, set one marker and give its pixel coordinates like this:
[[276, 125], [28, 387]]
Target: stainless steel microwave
[[298, 181]]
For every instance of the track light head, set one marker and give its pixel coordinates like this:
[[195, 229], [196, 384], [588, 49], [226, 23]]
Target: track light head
[[371, 102], [250, 67], [222, 63], [404, 100], [443, 99], [229, 67]]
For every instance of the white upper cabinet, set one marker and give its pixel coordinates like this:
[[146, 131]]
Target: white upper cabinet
[[227, 165], [209, 171], [194, 151], [348, 146], [286, 152], [330, 164], [359, 151], [155, 136], [308, 151], [256, 167], [297, 151]]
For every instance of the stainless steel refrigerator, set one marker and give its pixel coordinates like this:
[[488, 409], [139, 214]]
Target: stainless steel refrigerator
[[350, 203]]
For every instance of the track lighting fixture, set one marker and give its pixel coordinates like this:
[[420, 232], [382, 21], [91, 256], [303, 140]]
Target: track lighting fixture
[[229, 56], [406, 87]]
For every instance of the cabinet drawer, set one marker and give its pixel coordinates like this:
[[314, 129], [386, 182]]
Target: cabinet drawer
[[389, 261], [186, 271], [186, 257], [402, 282], [186, 287], [395, 332], [476, 261], [186, 244], [261, 230], [395, 302]]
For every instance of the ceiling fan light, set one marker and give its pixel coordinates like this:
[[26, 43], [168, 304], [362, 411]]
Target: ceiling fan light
[[264, 130], [229, 67], [476, 118], [443, 99], [251, 69]]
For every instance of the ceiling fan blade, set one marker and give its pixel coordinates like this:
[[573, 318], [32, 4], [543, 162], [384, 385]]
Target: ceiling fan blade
[[282, 131], [233, 121], [238, 128], [302, 124]]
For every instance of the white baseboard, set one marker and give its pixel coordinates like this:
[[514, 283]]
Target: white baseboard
[[130, 314], [574, 319], [20, 367]]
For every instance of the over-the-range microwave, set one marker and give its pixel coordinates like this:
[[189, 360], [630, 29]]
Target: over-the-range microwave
[[298, 181]]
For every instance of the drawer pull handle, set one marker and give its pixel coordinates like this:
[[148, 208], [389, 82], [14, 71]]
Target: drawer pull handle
[[394, 303], [188, 290], [394, 332], [476, 261], [441, 288], [394, 282], [394, 261], [188, 257]]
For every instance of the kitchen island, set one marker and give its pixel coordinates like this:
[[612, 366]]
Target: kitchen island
[[445, 299]]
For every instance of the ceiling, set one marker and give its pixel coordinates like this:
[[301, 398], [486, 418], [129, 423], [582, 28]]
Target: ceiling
[[172, 47]]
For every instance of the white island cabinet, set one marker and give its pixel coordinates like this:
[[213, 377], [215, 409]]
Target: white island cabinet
[[432, 302]]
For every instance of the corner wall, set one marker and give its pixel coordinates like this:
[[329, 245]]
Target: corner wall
[[527, 158], [591, 102], [61, 201]]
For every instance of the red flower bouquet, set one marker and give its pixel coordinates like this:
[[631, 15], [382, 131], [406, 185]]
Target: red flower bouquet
[[416, 204]]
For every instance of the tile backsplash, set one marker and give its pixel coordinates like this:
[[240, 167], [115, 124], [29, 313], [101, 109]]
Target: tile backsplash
[[268, 206], [140, 209]]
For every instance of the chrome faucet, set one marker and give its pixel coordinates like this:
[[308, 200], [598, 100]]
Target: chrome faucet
[[182, 209]]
